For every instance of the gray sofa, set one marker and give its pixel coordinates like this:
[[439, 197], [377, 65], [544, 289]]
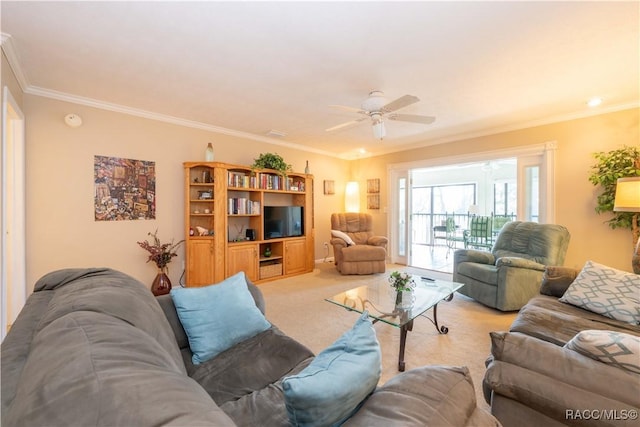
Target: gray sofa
[[533, 380], [94, 347]]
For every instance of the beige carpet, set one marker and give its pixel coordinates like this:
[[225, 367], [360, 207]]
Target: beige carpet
[[296, 305]]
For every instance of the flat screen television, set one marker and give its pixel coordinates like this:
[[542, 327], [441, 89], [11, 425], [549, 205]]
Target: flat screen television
[[283, 221]]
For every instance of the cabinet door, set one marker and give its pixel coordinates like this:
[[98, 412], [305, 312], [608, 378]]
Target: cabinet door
[[201, 268], [294, 256], [243, 258]]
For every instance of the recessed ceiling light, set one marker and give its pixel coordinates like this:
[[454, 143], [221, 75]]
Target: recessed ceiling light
[[594, 102]]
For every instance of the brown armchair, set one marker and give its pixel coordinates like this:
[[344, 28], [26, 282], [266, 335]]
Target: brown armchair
[[357, 250]]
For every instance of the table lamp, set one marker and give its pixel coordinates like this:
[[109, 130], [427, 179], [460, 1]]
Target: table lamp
[[628, 200]]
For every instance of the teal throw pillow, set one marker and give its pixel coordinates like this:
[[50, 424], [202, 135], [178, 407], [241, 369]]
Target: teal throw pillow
[[337, 381], [217, 317]]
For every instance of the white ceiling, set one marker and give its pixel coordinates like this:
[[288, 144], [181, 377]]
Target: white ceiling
[[248, 67]]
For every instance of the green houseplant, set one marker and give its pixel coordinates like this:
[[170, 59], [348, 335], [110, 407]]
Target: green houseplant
[[621, 163], [271, 161]]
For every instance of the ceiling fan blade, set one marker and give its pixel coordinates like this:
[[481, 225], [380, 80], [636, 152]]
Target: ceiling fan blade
[[348, 109], [399, 103], [346, 125], [414, 118]]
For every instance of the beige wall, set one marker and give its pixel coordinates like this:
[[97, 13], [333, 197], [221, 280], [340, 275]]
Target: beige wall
[[61, 231], [591, 238]]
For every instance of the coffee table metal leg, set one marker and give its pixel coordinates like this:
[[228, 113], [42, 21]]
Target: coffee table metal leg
[[441, 329], [403, 340]]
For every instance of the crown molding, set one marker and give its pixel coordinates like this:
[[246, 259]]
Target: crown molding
[[14, 61], [94, 103], [591, 112]]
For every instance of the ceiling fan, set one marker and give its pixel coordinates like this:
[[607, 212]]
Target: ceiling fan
[[377, 108]]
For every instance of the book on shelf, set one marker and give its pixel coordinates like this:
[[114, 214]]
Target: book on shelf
[[264, 181], [243, 206]]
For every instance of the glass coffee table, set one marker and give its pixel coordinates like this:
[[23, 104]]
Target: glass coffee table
[[379, 300]]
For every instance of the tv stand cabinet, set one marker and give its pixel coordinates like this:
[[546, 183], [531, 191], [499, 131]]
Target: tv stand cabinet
[[224, 210]]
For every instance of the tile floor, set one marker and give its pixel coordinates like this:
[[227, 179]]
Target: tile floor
[[438, 258]]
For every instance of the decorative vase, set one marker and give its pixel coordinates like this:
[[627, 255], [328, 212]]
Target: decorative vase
[[267, 252], [306, 168], [208, 153], [404, 299], [161, 284]]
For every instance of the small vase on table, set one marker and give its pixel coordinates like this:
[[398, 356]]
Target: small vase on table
[[404, 299]]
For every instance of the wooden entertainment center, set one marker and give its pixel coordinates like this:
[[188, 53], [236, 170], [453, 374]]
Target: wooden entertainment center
[[225, 223]]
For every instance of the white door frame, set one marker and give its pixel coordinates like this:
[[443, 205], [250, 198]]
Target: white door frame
[[395, 255], [13, 274], [543, 153]]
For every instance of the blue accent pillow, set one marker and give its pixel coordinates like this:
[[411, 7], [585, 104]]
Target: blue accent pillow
[[217, 317], [337, 381]]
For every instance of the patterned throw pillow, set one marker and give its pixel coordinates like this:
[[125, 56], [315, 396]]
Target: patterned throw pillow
[[615, 348], [607, 291]]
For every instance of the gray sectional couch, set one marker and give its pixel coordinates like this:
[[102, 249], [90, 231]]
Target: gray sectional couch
[[94, 347], [532, 379]]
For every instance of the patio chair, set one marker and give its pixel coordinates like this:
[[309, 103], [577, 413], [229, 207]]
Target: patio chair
[[452, 234], [498, 221], [480, 233]]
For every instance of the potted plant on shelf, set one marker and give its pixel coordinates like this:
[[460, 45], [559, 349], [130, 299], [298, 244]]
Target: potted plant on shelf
[[271, 161], [403, 284], [161, 254]]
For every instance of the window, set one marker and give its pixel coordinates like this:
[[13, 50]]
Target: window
[[505, 197]]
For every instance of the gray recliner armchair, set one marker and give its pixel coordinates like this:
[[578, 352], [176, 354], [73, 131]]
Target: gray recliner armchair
[[511, 273]]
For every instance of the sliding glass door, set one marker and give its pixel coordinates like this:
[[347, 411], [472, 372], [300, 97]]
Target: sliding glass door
[[517, 184]]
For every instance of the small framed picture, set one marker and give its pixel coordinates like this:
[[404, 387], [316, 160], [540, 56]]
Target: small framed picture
[[373, 186], [373, 201], [328, 186]]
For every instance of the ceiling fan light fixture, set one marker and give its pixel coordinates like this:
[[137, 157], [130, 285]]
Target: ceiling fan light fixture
[[374, 102], [379, 131], [376, 108]]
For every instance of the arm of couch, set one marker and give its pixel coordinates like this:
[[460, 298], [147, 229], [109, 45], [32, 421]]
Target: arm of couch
[[519, 263], [377, 241], [473, 255], [338, 243], [554, 380], [556, 280], [426, 396]]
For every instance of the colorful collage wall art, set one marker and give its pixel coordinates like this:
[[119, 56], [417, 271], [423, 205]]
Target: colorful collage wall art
[[125, 189]]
